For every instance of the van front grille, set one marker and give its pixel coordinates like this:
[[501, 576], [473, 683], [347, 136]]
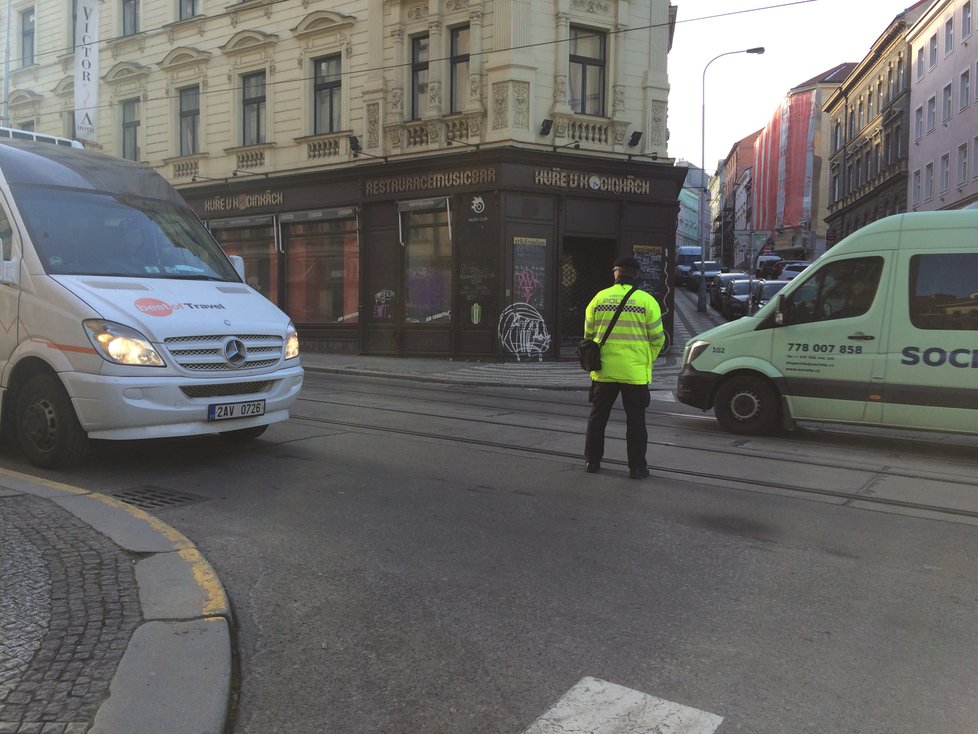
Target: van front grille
[[207, 353]]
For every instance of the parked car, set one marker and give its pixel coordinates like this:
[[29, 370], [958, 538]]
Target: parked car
[[790, 270], [736, 294], [764, 291], [699, 270], [719, 283]]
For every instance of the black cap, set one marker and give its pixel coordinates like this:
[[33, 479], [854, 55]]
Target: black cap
[[627, 261]]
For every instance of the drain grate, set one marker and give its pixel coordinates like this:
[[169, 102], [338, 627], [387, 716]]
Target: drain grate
[[155, 498]]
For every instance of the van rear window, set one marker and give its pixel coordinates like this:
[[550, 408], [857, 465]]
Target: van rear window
[[944, 291]]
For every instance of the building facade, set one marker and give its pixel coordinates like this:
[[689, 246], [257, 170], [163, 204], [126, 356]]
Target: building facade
[[403, 177], [791, 173], [869, 144], [724, 238], [943, 157]]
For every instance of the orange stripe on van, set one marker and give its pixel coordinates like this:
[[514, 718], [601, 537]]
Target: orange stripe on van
[[67, 347]]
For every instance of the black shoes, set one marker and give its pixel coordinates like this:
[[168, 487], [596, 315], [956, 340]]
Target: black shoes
[[593, 467]]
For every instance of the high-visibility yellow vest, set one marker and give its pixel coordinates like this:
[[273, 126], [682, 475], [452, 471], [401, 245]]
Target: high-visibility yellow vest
[[635, 341]]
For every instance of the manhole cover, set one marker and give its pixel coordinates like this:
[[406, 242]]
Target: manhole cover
[[154, 498]]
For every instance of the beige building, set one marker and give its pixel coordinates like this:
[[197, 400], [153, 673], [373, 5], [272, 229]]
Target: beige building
[[447, 177], [868, 150], [943, 159]]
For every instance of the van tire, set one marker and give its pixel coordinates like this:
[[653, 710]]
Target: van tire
[[748, 406], [244, 434], [47, 428]]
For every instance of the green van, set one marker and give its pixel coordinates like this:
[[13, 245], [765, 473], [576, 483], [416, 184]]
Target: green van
[[881, 330]]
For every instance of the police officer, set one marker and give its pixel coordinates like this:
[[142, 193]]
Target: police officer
[[626, 365]]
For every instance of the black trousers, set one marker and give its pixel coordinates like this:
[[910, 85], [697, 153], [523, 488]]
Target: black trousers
[[634, 399]]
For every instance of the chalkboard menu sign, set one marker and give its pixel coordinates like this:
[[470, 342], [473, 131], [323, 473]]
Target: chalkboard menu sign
[[653, 268], [529, 270]]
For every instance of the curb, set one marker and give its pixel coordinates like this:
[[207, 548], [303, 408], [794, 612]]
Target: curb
[[175, 673]]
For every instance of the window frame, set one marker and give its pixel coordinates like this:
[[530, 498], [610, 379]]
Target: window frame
[[932, 55], [966, 20], [420, 63], [327, 87], [947, 102], [949, 35], [253, 106], [931, 114], [963, 154], [459, 61], [944, 182], [129, 110], [28, 35], [130, 17], [189, 121], [584, 65], [186, 9]]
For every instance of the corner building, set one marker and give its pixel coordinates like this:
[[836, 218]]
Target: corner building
[[445, 178]]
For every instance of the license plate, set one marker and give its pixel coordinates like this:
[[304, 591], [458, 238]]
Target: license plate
[[228, 411]]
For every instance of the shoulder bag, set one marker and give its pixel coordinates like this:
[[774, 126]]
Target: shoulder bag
[[589, 351]]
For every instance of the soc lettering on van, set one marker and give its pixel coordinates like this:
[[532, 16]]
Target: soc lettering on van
[[938, 357], [156, 307]]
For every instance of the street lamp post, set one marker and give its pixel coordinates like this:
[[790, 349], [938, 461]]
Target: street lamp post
[[701, 296]]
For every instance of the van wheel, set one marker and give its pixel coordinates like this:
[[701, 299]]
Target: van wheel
[[47, 428], [244, 434], [747, 406]]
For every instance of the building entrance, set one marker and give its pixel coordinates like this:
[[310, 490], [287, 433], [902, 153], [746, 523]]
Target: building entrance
[[585, 268]]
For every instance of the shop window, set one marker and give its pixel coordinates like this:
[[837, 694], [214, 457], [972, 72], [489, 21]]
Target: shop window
[[941, 290], [327, 88], [460, 68], [254, 242], [427, 267], [588, 49], [322, 271]]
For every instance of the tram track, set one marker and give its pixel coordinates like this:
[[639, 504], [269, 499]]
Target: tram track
[[756, 483]]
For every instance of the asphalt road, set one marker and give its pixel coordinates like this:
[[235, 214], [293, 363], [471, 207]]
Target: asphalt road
[[425, 558]]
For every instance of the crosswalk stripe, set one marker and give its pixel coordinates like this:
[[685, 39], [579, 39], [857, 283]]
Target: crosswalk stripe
[[595, 706]]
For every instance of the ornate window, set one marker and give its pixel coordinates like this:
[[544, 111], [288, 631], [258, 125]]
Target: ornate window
[[253, 109], [588, 57], [327, 89], [459, 68], [130, 128], [419, 76]]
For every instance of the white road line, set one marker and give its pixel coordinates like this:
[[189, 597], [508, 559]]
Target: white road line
[[595, 706]]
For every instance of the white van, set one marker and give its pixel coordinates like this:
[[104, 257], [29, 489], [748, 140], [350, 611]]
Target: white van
[[881, 330], [121, 316], [686, 255]]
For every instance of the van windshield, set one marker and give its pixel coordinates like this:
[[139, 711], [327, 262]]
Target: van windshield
[[96, 233]]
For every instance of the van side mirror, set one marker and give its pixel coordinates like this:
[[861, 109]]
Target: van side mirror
[[10, 271], [779, 312], [238, 262]]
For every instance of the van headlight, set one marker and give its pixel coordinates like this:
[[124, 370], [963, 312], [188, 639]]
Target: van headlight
[[291, 342], [693, 350], [121, 344]]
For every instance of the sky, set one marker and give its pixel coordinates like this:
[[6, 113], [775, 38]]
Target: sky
[[800, 39]]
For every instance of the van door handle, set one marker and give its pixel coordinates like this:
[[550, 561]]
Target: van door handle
[[862, 337]]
